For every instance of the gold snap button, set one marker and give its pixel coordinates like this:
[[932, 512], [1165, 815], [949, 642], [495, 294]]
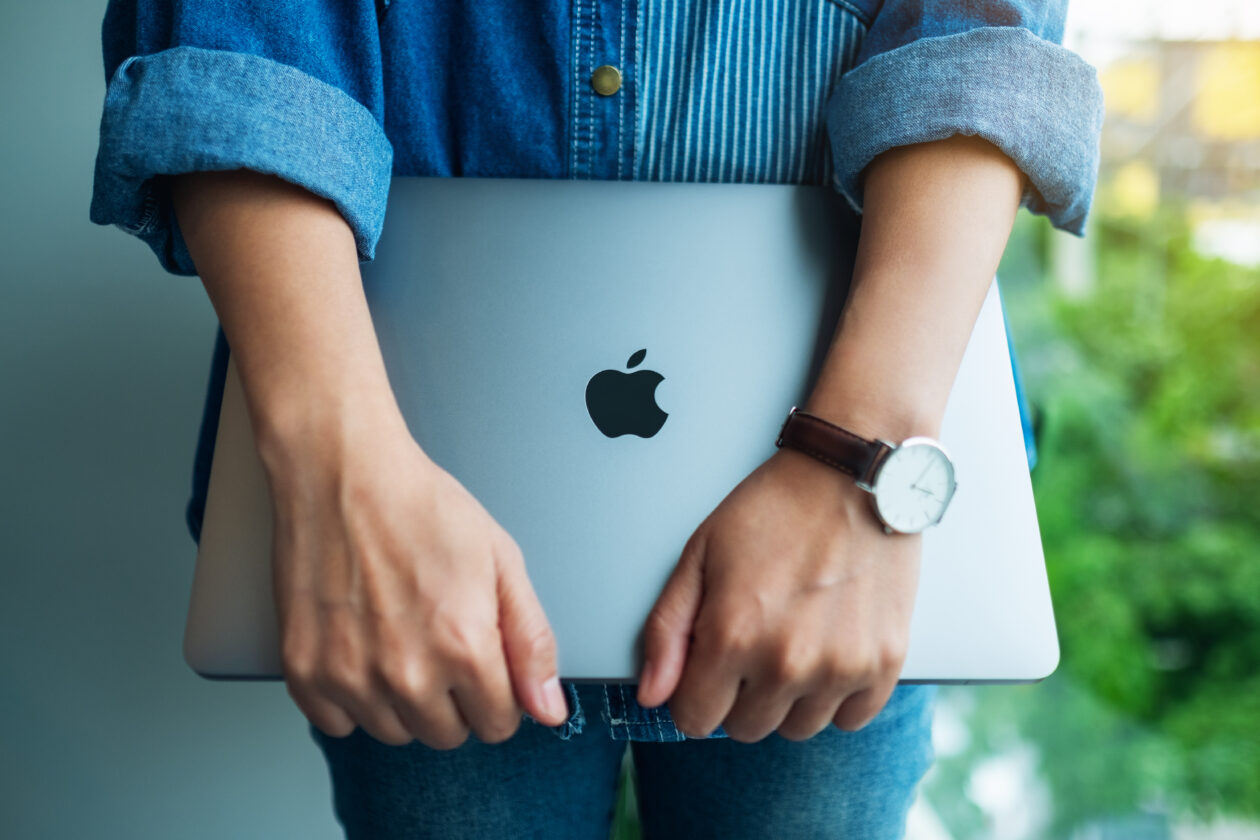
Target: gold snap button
[[606, 80]]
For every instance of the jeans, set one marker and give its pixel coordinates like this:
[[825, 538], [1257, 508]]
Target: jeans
[[836, 784]]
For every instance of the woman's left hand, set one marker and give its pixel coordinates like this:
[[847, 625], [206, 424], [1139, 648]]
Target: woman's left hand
[[789, 609]]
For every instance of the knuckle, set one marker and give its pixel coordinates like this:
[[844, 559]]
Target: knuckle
[[298, 655], [797, 657], [340, 676], [865, 664], [657, 624], [840, 669], [459, 641], [403, 679], [850, 666], [539, 644], [891, 655], [791, 663], [718, 627], [299, 668], [734, 637]]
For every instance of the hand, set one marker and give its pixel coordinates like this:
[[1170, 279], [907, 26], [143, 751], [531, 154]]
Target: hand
[[404, 607], [789, 609]]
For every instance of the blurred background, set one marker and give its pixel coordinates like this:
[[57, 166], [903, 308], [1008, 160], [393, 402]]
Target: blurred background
[[1139, 344], [1140, 348], [105, 733]]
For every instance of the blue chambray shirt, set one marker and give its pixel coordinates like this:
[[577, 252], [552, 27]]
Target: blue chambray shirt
[[338, 95]]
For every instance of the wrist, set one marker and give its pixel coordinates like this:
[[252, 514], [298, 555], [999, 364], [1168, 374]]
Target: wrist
[[875, 413], [310, 427], [882, 383], [831, 499], [910, 483]]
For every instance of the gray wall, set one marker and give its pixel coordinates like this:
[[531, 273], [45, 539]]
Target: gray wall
[[104, 731]]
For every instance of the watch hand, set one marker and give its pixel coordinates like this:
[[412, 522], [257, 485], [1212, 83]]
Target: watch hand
[[915, 484]]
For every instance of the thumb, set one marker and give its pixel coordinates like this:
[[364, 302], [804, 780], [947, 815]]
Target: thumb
[[529, 646], [667, 632]]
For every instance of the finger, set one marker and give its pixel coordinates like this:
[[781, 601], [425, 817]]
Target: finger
[[420, 697], [436, 723], [529, 646], [377, 718], [299, 672], [759, 708], [810, 715], [861, 708], [325, 715], [486, 700], [703, 701], [355, 692], [711, 679], [667, 631]]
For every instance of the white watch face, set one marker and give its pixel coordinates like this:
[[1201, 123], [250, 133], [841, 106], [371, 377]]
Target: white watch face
[[914, 485]]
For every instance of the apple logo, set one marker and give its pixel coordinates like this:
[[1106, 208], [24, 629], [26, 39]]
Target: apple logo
[[625, 403]]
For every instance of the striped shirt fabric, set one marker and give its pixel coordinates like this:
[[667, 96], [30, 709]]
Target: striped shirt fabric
[[735, 91]]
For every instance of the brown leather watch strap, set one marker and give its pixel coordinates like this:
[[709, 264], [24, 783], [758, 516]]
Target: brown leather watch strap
[[832, 445]]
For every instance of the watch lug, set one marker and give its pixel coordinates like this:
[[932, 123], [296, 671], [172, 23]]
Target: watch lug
[[779, 441]]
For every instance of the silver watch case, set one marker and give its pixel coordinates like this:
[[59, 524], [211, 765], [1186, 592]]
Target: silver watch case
[[872, 484]]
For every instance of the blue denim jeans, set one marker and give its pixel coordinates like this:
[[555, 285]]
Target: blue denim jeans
[[836, 784]]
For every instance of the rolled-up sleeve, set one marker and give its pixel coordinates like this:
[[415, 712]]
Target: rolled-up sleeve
[[931, 69], [292, 89]]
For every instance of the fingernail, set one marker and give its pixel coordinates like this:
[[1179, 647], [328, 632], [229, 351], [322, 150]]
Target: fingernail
[[553, 698]]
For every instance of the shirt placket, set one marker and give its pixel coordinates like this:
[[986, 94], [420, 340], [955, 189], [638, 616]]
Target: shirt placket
[[605, 89], [605, 96]]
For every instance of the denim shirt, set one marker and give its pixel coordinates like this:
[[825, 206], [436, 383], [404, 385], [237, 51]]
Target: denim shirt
[[339, 95]]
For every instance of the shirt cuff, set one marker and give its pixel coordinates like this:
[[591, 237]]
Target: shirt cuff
[[1039, 103], [189, 109]]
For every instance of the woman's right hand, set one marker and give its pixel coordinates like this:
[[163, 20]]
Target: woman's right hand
[[404, 607]]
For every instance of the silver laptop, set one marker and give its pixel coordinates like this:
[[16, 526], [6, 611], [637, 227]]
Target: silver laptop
[[525, 323]]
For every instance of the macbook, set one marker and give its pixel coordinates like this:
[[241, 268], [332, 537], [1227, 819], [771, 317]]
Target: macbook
[[600, 363]]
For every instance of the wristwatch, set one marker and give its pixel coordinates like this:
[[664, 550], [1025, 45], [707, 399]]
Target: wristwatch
[[910, 483]]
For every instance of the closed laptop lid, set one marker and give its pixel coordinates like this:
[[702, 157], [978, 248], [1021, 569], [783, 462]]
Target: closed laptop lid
[[600, 363]]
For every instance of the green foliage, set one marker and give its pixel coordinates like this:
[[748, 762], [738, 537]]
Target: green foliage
[[1148, 494], [625, 822]]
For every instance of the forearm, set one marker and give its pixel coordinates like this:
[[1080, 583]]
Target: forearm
[[280, 267], [936, 220], [403, 607]]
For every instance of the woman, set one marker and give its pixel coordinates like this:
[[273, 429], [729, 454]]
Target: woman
[[254, 145]]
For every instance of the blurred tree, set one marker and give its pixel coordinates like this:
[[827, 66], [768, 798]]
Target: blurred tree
[[1148, 494]]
